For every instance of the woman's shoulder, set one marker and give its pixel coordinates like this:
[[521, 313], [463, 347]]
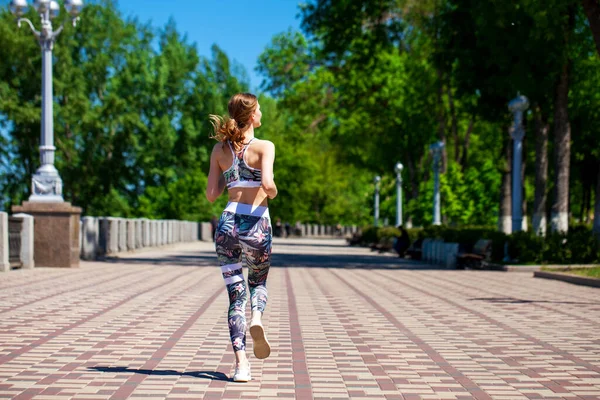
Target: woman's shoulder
[[264, 144]]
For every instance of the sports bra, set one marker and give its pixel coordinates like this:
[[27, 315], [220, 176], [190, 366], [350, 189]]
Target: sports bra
[[240, 174]]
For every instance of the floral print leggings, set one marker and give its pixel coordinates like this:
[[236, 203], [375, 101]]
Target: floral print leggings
[[250, 235]]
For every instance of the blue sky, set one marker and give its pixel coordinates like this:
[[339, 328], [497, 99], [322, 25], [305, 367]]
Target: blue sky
[[241, 28]]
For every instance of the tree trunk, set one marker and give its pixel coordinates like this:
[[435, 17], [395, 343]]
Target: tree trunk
[[464, 157], [588, 204], [562, 151], [597, 208], [524, 225], [414, 186], [592, 11], [505, 215], [562, 138], [541, 173], [454, 124], [442, 119]]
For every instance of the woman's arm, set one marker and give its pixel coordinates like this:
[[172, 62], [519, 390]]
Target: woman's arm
[[267, 159], [216, 181]]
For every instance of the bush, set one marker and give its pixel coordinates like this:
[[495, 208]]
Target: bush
[[387, 232], [369, 235], [578, 246]]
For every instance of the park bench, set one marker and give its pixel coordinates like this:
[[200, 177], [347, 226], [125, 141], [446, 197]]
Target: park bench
[[415, 251], [482, 251], [385, 244]]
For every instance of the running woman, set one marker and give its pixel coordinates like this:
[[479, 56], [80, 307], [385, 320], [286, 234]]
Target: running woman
[[244, 165]]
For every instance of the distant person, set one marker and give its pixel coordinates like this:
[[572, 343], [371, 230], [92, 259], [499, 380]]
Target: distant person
[[287, 229], [278, 230], [245, 165], [402, 242]]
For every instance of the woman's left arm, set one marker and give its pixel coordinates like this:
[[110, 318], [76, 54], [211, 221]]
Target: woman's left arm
[[216, 181]]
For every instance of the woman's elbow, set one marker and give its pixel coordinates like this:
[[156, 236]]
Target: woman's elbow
[[210, 197]]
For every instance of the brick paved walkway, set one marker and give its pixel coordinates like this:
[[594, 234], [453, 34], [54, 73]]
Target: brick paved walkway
[[343, 323]]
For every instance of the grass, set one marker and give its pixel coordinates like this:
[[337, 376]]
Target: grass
[[593, 272]]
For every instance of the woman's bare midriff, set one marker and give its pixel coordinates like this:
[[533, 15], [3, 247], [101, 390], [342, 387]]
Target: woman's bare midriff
[[254, 196]]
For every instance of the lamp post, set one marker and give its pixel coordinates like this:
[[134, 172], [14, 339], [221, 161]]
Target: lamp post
[[517, 106], [377, 181], [46, 184], [436, 150], [398, 169]]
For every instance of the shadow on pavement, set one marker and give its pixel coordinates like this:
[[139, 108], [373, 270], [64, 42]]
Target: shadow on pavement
[[512, 300], [283, 242], [212, 375], [291, 260]]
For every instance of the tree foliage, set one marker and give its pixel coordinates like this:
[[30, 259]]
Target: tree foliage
[[366, 84]]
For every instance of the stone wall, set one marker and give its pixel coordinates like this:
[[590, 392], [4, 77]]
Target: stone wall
[[105, 236]]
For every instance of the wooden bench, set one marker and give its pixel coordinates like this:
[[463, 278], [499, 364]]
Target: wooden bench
[[384, 244], [482, 251]]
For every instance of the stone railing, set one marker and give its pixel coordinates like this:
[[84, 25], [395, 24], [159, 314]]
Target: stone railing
[[106, 236], [16, 241], [435, 251], [314, 230]]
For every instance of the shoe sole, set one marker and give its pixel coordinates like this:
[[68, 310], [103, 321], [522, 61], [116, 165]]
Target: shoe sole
[[243, 380], [262, 349]]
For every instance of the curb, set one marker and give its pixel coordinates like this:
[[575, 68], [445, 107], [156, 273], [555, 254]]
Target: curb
[[578, 280], [511, 268]]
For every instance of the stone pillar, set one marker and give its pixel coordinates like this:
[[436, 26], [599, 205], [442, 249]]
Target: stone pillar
[[165, 232], [89, 238], [451, 253], [139, 238], [130, 234], [159, 231], [56, 232], [206, 232], [4, 264], [109, 235], [153, 233], [27, 239], [146, 232], [102, 236], [122, 234]]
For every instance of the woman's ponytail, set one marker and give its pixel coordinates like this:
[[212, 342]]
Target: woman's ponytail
[[241, 107]]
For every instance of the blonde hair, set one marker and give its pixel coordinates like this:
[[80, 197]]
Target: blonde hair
[[232, 127]]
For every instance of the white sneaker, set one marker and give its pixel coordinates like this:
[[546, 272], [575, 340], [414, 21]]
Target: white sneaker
[[242, 375], [262, 348]]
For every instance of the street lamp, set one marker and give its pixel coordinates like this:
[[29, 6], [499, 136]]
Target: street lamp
[[377, 181], [398, 169], [436, 150], [517, 106], [46, 184]]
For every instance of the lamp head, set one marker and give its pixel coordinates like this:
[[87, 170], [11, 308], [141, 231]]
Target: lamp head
[[437, 146], [41, 6], [74, 7], [398, 168], [377, 179], [54, 9], [18, 7], [519, 103]]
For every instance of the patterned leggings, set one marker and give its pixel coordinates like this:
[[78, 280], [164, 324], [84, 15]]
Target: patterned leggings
[[247, 230]]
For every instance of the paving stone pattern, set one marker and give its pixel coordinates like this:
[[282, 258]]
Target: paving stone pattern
[[343, 323]]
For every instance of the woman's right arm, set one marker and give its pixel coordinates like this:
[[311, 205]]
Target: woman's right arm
[[216, 182], [267, 159]]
